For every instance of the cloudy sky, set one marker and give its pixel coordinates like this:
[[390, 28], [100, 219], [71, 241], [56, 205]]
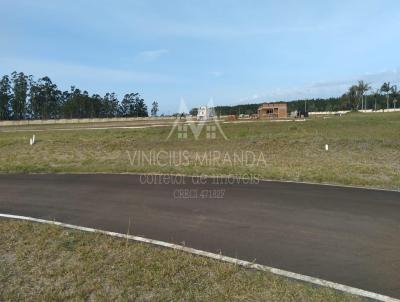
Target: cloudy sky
[[231, 51]]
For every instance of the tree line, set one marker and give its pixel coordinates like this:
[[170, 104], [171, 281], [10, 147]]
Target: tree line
[[22, 97], [358, 97]]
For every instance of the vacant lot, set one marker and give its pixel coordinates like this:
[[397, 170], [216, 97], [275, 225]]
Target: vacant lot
[[62, 264], [364, 150]]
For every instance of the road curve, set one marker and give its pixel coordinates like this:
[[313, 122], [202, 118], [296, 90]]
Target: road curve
[[345, 235]]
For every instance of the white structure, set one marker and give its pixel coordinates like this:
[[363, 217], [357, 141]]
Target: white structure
[[32, 140], [205, 113]]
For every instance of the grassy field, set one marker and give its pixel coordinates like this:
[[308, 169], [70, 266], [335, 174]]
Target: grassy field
[[364, 150], [61, 264]]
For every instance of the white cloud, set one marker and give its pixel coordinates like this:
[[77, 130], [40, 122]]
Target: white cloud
[[151, 55]]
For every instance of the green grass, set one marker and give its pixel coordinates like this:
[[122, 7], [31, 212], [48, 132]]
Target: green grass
[[364, 150], [48, 263]]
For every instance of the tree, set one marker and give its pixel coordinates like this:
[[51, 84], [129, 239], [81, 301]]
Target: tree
[[35, 100], [154, 108], [20, 92], [5, 98], [394, 92], [85, 103], [95, 105], [140, 107], [76, 104], [132, 105], [110, 105], [362, 87], [127, 107], [44, 99], [386, 88], [73, 105], [376, 96], [193, 111], [351, 98]]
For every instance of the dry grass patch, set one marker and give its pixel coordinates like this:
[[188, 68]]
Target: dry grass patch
[[364, 150], [47, 263]]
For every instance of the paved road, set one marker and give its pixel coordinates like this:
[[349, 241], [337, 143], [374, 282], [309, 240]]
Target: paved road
[[345, 235]]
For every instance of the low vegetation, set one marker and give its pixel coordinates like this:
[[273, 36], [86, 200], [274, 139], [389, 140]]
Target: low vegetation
[[363, 150], [62, 264]]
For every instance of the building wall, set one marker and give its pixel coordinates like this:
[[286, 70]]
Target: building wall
[[205, 113], [272, 111]]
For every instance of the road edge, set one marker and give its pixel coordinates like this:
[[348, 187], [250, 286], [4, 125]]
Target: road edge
[[246, 264], [225, 176]]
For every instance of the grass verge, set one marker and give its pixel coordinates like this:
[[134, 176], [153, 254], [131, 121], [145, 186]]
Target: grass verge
[[43, 262]]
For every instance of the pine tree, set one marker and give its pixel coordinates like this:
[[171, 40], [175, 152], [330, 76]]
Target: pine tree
[[20, 92], [5, 98], [154, 108]]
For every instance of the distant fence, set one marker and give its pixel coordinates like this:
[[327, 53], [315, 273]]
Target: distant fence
[[328, 112], [347, 111], [82, 121], [159, 118], [380, 110]]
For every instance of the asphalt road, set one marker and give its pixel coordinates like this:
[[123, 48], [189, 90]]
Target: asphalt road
[[346, 235]]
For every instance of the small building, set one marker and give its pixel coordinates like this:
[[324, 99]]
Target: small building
[[272, 111], [205, 113]]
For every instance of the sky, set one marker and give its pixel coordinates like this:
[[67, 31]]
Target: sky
[[233, 52]]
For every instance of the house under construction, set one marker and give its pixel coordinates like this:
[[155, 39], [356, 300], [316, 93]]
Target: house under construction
[[272, 111]]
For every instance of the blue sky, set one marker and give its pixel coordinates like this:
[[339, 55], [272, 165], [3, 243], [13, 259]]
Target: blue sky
[[231, 51]]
